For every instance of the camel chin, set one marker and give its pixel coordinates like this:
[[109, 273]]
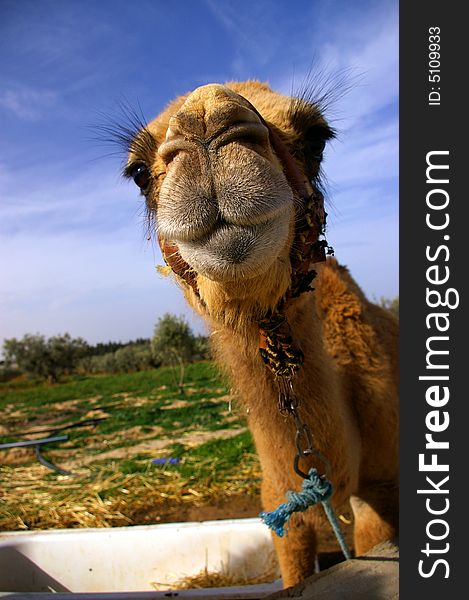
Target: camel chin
[[231, 252]]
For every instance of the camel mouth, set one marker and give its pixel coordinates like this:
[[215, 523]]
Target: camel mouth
[[231, 252]]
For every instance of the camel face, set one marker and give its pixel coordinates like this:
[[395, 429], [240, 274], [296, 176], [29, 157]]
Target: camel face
[[224, 201], [226, 207]]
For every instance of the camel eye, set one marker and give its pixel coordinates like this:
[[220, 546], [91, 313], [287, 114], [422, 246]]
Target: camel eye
[[141, 175]]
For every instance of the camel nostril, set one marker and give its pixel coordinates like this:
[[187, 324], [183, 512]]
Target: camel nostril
[[244, 132]]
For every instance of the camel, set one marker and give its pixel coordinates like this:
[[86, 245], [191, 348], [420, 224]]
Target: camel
[[231, 178]]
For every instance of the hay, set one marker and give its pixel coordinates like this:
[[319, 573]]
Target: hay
[[206, 579], [33, 498]]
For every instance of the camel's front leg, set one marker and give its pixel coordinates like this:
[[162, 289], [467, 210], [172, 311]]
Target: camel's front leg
[[296, 550]]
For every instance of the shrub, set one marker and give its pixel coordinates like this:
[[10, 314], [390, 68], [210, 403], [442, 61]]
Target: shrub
[[48, 359]]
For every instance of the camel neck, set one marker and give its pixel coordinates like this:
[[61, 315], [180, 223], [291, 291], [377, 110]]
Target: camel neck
[[239, 352]]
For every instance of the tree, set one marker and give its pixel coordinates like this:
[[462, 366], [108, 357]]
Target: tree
[[48, 359], [173, 343], [202, 349], [134, 357]]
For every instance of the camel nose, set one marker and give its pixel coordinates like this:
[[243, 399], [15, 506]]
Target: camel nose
[[211, 115]]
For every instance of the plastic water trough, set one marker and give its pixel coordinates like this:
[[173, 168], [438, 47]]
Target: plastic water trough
[[141, 562]]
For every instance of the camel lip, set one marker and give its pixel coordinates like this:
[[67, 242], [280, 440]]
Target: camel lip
[[190, 236], [222, 225], [232, 252]]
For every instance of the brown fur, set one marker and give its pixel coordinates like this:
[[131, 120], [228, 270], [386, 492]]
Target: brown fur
[[348, 385]]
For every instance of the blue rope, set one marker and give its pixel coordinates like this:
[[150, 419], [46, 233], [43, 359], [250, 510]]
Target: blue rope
[[336, 529], [316, 488]]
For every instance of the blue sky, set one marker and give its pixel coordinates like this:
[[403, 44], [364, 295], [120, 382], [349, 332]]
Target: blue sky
[[73, 254]]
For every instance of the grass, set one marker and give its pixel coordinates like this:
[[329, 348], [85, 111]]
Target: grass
[[114, 480], [134, 400], [212, 460], [37, 394]]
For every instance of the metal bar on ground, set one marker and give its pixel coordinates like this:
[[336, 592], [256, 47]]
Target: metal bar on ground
[[50, 465], [57, 438]]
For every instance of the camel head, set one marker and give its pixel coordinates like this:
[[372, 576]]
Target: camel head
[[225, 171]]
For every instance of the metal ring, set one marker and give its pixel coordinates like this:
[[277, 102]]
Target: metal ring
[[297, 469], [317, 454]]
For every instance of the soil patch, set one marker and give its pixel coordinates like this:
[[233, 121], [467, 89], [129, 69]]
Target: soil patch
[[238, 507]]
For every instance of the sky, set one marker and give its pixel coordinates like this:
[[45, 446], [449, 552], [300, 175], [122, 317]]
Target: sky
[[73, 252]]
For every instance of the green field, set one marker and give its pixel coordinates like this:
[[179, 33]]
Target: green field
[[114, 481]]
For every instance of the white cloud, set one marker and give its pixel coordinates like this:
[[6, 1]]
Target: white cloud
[[66, 195], [27, 103], [255, 44], [361, 158]]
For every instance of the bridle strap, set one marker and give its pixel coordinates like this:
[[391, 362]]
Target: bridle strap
[[310, 214]]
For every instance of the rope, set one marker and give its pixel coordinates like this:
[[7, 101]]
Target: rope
[[316, 488], [336, 529]]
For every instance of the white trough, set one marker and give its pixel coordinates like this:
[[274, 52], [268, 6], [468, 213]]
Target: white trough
[[117, 562]]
